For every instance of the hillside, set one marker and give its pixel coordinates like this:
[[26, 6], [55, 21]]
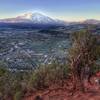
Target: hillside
[[62, 93]]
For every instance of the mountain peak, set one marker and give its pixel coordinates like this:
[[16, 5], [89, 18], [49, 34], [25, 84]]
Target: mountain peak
[[25, 16], [38, 14], [33, 18], [37, 18], [30, 15]]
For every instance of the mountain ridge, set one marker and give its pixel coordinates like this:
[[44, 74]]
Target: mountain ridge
[[38, 18], [33, 18]]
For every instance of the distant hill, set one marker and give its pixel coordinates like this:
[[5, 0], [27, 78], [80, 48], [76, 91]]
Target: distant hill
[[92, 21]]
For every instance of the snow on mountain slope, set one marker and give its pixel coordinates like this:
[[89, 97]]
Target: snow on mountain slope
[[35, 18]]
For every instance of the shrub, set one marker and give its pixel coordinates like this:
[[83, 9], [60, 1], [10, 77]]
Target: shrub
[[18, 95], [45, 76]]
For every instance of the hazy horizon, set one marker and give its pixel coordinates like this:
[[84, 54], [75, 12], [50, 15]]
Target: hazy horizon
[[67, 10]]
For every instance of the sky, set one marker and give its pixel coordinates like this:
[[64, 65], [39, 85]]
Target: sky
[[68, 10]]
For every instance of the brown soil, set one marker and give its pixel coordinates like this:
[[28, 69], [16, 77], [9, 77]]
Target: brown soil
[[62, 93]]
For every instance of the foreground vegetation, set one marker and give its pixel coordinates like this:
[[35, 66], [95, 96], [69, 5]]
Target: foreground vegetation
[[84, 53], [16, 84]]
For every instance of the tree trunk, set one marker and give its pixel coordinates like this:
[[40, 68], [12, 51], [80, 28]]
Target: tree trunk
[[78, 84]]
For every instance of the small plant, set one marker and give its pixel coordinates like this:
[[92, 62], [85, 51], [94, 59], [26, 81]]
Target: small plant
[[18, 95]]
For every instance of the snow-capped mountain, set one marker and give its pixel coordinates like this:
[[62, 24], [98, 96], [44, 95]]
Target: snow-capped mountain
[[35, 18], [38, 18]]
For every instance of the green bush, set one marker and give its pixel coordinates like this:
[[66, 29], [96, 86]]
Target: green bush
[[47, 75], [18, 82], [18, 95]]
